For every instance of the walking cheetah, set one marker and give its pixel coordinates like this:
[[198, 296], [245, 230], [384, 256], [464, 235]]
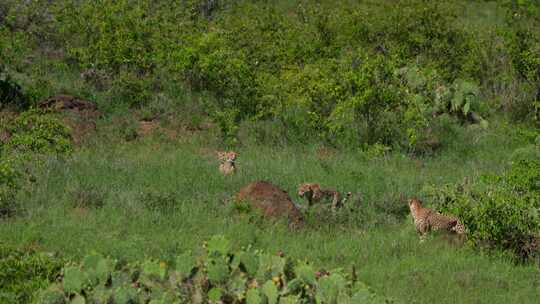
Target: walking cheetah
[[314, 194], [426, 219], [227, 162]]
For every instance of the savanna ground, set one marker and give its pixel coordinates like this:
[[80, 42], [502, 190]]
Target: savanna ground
[[135, 194], [155, 197]]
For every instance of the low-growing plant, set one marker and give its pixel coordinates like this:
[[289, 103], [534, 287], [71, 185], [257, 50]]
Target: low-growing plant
[[523, 43], [220, 276], [11, 93], [87, 197], [23, 272], [9, 186], [39, 132], [157, 201], [499, 211]]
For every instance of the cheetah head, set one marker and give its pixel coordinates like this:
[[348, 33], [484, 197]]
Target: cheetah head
[[227, 157], [415, 203], [456, 227], [304, 189], [307, 189]]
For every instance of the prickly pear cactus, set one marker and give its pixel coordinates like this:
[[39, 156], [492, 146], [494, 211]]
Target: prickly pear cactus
[[220, 276]]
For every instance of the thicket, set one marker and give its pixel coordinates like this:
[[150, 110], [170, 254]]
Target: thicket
[[25, 272], [346, 73], [11, 93], [500, 211], [219, 276], [25, 138]]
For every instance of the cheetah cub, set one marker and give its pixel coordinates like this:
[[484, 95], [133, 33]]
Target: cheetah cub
[[227, 162], [313, 193], [426, 219]]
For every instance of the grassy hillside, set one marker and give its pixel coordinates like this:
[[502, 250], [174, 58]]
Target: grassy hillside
[[386, 99]]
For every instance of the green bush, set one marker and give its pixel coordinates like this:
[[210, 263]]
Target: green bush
[[25, 272], [523, 43], [245, 276], [419, 31], [112, 38], [11, 93], [500, 211], [36, 131], [9, 186], [321, 72]]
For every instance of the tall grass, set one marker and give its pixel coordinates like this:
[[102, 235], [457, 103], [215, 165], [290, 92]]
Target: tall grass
[[163, 198]]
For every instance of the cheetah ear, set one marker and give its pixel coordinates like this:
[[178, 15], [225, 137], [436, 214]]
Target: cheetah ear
[[453, 223]]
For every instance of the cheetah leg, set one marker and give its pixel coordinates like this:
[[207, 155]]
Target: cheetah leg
[[335, 202], [422, 233]]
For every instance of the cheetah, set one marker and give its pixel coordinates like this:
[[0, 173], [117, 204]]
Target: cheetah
[[227, 162], [314, 194], [426, 219]]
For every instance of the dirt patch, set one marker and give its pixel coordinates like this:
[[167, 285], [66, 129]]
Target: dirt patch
[[67, 102], [271, 200], [149, 127], [146, 128], [325, 152], [80, 115]]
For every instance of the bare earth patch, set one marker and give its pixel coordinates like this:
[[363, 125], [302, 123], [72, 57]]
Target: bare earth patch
[[271, 200]]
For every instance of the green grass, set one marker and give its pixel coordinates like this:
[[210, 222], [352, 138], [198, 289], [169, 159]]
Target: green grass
[[377, 236]]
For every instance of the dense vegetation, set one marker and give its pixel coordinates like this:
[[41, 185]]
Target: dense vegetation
[[388, 99]]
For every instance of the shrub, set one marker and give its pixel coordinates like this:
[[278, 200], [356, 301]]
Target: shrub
[[9, 186], [320, 71], [87, 197], [159, 202], [36, 131], [372, 100], [419, 31], [523, 43], [113, 38], [500, 211], [11, 93], [222, 275], [23, 272]]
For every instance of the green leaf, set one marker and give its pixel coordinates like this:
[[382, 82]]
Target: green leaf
[[155, 270], [98, 268], [219, 244], [218, 271], [125, 295], [466, 107], [214, 294], [270, 266], [74, 280], [306, 273], [52, 295], [185, 263], [78, 299], [484, 124], [361, 293], [294, 285], [253, 296], [236, 285], [289, 300], [330, 287], [271, 292], [250, 262]]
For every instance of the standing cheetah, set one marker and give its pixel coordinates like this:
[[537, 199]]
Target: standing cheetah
[[426, 219], [314, 194], [227, 162]]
